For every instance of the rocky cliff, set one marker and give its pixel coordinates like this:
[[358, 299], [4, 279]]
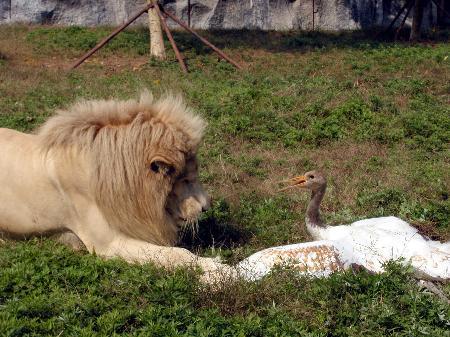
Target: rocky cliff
[[215, 14]]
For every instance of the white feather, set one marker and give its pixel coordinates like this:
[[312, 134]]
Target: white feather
[[316, 259]]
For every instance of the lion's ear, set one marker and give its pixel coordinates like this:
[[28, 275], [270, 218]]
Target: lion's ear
[[159, 166]]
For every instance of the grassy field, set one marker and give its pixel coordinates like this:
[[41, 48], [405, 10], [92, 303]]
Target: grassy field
[[373, 115]]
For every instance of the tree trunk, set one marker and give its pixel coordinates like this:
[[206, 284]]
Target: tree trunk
[[156, 38], [419, 6]]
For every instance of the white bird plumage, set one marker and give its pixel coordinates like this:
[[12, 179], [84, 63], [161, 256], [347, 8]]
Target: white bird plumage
[[369, 243], [317, 259]]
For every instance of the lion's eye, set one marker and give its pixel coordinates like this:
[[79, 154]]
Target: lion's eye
[[154, 167], [311, 177], [162, 167]]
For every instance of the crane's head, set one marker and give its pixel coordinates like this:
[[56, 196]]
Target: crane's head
[[312, 180]]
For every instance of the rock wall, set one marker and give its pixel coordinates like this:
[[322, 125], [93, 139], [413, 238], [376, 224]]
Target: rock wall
[[214, 14]]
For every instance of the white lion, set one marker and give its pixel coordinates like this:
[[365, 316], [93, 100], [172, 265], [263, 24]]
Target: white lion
[[120, 175]]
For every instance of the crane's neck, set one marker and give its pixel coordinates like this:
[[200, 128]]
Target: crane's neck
[[314, 222]]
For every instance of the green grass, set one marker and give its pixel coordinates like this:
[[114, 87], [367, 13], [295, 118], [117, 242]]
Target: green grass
[[47, 290], [372, 114], [74, 39]]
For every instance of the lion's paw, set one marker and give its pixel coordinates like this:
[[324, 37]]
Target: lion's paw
[[216, 273]]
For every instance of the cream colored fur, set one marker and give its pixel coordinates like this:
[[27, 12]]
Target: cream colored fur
[[120, 175]]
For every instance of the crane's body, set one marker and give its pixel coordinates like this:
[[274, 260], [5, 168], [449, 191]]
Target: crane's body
[[369, 243], [373, 242], [317, 259]]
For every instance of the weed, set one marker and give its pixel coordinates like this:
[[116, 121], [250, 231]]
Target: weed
[[435, 212], [426, 125], [386, 202], [20, 122], [252, 166], [270, 220]]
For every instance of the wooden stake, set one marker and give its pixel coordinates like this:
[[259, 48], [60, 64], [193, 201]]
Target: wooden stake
[[109, 37], [205, 41], [189, 12], [163, 15], [396, 17], [416, 26], [157, 48], [403, 21], [172, 41], [441, 8]]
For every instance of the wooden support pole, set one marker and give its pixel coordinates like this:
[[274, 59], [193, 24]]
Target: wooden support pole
[[314, 12], [189, 12], [109, 37], [441, 8], [172, 41], [416, 26], [396, 17], [403, 21], [163, 15], [209, 44], [157, 49]]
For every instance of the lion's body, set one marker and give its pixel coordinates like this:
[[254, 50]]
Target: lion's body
[[28, 200], [120, 175]]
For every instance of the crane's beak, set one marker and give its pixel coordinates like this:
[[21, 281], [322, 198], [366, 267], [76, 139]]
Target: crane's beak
[[293, 182]]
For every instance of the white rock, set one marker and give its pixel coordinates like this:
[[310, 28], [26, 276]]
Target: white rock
[[213, 14]]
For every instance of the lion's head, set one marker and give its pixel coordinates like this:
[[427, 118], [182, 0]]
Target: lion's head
[[187, 199], [139, 158]]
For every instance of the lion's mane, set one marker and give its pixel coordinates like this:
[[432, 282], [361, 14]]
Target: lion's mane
[[116, 142]]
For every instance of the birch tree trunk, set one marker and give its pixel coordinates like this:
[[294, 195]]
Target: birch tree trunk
[[156, 38]]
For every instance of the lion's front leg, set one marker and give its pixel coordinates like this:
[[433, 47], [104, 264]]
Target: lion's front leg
[[133, 250]]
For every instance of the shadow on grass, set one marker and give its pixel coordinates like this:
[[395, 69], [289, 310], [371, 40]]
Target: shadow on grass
[[135, 40], [215, 229], [213, 233], [297, 40]]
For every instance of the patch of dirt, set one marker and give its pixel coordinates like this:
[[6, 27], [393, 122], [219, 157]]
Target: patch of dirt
[[431, 231], [19, 54], [346, 161]]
